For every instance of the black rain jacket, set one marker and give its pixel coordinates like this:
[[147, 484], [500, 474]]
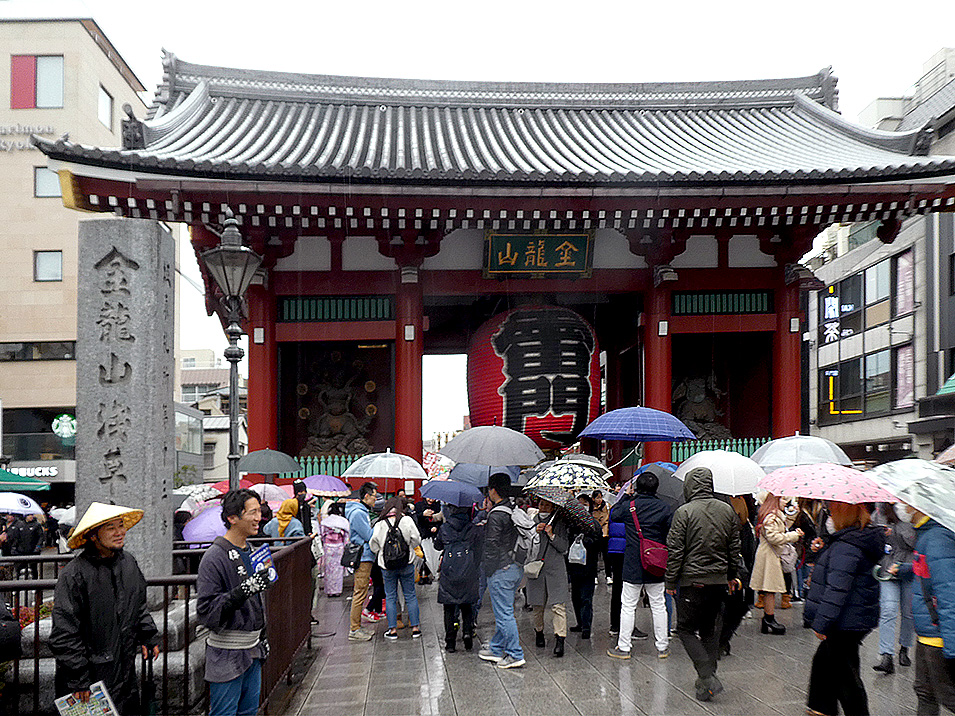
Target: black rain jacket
[[461, 541], [100, 620]]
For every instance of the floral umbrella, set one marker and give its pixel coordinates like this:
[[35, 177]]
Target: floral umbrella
[[927, 486], [571, 476], [825, 481], [568, 505]]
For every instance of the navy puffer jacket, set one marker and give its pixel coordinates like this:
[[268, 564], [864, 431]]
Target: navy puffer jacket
[[844, 595]]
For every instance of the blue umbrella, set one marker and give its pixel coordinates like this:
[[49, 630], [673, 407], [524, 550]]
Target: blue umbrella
[[638, 424], [454, 493], [478, 475]]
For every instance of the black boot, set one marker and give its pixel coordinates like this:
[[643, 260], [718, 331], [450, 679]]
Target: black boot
[[885, 666], [539, 639], [904, 659], [468, 641], [771, 626], [450, 646], [559, 646]]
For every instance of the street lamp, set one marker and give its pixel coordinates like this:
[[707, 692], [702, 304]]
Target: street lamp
[[232, 266]]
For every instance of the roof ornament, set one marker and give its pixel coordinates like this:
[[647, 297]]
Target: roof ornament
[[923, 140], [134, 135], [830, 92]]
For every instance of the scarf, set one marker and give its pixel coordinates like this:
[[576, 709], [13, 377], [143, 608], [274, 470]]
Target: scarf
[[287, 511]]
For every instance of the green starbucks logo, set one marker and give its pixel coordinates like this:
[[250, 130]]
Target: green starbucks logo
[[64, 426]]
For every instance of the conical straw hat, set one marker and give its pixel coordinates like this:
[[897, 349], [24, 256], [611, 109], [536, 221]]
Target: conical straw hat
[[99, 514]]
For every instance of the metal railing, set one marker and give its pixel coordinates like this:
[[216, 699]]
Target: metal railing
[[288, 605], [744, 446]]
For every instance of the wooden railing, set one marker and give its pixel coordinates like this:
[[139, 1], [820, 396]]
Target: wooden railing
[[333, 465]]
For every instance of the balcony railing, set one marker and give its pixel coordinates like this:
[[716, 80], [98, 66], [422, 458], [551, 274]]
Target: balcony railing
[[333, 465]]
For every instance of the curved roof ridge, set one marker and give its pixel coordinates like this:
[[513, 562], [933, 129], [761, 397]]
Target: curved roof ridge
[[181, 77], [909, 142]]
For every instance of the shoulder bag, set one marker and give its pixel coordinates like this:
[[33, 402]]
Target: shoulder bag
[[653, 555]]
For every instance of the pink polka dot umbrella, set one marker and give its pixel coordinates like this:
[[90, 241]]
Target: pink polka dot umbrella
[[825, 481]]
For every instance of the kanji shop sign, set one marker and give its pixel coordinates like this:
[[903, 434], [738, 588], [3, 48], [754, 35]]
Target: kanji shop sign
[[535, 370], [538, 255]]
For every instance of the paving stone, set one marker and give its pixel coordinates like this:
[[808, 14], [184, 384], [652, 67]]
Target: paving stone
[[764, 676]]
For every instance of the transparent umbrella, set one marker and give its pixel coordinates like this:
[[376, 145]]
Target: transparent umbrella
[[386, 465], [927, 486], [799, 450]]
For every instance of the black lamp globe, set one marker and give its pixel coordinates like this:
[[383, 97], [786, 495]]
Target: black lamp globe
[[231, 264]]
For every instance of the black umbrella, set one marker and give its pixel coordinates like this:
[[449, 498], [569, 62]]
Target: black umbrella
[[670, 489], [268, 462]]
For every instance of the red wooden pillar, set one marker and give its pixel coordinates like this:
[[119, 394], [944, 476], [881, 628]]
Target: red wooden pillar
[[263, 370], [787, 371], [657, 368], [409, 348]]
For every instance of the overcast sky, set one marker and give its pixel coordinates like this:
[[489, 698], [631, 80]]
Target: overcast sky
[[876, 48]]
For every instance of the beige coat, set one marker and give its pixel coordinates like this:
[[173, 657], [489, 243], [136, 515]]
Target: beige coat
[[767, 570]]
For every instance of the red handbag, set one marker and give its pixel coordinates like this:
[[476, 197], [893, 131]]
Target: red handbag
[[653, 555]]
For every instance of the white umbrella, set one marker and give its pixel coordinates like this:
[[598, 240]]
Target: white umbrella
[[386, 465], [17, 504], [200, 492], [270, 492], [799, 450], [927, 486], [64, 515], [733, 474]]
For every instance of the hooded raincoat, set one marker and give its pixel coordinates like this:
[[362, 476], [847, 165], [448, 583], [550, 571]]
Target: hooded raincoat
[[462, 542], [703, 542]]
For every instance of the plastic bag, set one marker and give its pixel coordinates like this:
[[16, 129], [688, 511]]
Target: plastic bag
[[577, 554]]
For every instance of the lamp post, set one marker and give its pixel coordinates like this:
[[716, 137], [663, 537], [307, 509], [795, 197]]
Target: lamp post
[[232, 266]]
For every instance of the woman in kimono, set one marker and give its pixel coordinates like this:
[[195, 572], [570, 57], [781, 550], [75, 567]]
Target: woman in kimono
[[334, 531]]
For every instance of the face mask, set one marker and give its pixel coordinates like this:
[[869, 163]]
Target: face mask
[[790, 510], [903, 512], [830, 525]]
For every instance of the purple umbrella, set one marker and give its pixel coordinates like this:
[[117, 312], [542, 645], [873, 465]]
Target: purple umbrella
[[205, 526], [327, 486]]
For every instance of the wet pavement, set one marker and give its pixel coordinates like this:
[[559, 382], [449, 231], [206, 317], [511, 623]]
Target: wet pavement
[[764, 675]]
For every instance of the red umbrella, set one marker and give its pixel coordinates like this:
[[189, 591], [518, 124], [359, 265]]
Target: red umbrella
[[223, 485]]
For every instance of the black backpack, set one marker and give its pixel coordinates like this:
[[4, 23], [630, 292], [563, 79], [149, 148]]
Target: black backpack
[[395, 551]]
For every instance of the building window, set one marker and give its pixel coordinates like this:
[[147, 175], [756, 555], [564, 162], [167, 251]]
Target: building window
[[36, 82], [904, 270], [878, 288], [38, 350], [209, 456], [47, 265], [904, 367], [105, 110], [951, 274], [841, 310], [878, 382], [189, 362], [189, 433], [840, 391], [46, 183]]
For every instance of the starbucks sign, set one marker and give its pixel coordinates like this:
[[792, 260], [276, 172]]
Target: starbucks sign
[[64, 426]]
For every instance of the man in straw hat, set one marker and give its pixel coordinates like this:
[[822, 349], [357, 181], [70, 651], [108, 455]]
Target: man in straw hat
[[229, 602], [100, 620]]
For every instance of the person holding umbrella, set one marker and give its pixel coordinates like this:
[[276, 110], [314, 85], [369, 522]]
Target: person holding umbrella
[[643, 514], [550, 586], [842, 607], [767, 577], [461, 542]]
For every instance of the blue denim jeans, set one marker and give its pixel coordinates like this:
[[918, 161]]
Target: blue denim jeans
[[895, 600], [239, 697], [802, 574], [392, 577], [502, 588]]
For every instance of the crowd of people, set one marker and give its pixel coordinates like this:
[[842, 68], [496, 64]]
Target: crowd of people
[[700, 565]]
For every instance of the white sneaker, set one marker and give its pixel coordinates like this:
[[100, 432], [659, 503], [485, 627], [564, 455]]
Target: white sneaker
[[359, 635], [509, 662]]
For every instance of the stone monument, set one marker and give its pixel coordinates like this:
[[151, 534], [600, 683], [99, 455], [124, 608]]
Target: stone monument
[[125, 442]]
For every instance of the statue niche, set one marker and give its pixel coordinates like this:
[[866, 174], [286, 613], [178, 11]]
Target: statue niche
[[695, 401], [339, 407]]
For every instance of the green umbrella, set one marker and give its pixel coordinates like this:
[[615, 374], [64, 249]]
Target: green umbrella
[[10, 481]]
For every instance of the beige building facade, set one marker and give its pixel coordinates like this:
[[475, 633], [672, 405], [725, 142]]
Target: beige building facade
[[56, 77]]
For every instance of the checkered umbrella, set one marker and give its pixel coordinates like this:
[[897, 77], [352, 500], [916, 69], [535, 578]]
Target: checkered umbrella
[[569, 506], [638, 424], [571, 476], [927, 486]]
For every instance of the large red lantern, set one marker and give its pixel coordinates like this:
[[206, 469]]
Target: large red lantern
[[535, 370]]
